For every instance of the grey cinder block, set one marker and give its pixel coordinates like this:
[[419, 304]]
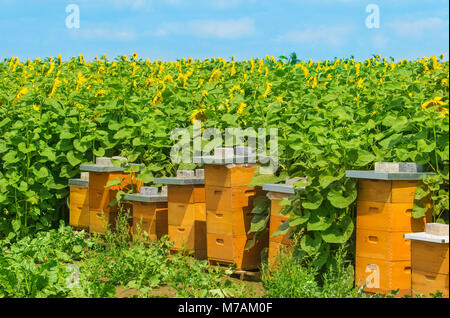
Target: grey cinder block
[[397, 167], [437, 229]]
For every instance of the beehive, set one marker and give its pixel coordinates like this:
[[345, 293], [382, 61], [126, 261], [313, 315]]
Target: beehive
[[229, 202], [276, 192], [79, 204], [429, 263], [149, 215], [384, 214], [186, 213], [101, 214]]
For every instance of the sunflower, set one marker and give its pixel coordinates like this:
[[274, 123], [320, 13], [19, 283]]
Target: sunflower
[[198, 114], [436, 102], [135, 55], [433, 102]]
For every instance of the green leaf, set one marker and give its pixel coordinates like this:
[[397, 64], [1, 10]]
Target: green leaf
[[259, 179], [100, 152], [421, 192], [342, 198], [312, 201], [310, 244], [16, 224], [364, 158], [419, 209], [114, 182], [258, 223], [295, 220], [425, 146], [282, 229], [73, 160], [49, 153], [78, 146], [322, 256], [320, 219], [325, 180], [339, 232]]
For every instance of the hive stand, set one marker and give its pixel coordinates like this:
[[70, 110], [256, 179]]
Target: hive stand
[[229, 202], [149, 214], [384, 205], [429, 263], [186, 214], [276, 192], [79, 204], [100, 214]]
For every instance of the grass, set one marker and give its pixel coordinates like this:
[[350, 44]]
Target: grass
[[67, 263]]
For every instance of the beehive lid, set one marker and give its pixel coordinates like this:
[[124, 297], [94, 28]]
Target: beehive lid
[[280, 187], [423, 236], [365, 174], [145, 198], [179, 181], [78, 182], [102, 168]]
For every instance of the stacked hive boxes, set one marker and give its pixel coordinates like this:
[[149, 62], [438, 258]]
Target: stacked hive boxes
[[79, 202], [149, 212], [276, 192], [229, 202], [187, 214], [101, 213], [384, 215], [429, 260]]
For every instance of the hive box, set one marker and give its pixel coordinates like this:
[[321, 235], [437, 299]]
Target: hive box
[[79, 204], [149, 215], [186, 211], [429, 263], [384, 214], [101, 213]]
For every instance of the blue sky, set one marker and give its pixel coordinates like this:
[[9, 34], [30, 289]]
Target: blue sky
[[172, 29]]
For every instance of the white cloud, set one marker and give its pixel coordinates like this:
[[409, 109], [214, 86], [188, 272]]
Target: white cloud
[[104, 34], [418, 28], [133, 4], [212, 4], [224, 4], [380, 41], [333, 35], [225, 29]]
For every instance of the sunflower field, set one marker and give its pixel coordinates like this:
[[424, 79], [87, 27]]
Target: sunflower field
[[331, 116]]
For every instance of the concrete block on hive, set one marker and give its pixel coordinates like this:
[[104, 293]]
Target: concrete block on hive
[[149, 191], [84, 176], [437, 229], [243, 151], [223, 152], [200, 173], [185, 173], [394, 167], [103, 161]]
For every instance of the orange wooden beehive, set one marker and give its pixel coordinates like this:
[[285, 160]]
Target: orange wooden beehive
[[384, 214], [101, 214], [186, 214], [79, 204], [383, 276], [151, 217], [229, 202], [429, 263], [282, 242]]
